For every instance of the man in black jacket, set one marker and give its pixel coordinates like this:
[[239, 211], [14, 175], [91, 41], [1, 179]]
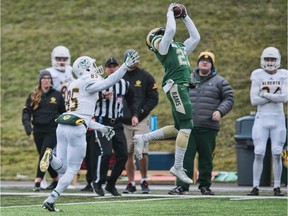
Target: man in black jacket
[[146, 98]]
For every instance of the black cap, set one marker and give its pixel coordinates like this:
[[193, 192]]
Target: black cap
[[111, 61]]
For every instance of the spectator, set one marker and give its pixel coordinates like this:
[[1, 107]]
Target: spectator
[[174, 58], [109, 109], [211, 100], [269, 92], [146, 99], [42, 108]]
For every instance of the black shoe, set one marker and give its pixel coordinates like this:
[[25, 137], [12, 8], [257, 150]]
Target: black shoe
[[112, 189], [178, 191], [37, 187], [255, 192], [97, 188], [277, 192], [52, 186], [206, 191], [87, 188], [145, 188], [50, 206], [129, 189]]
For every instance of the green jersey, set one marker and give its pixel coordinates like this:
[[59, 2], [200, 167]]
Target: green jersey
[[175, 62]]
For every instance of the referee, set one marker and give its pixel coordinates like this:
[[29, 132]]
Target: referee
[[109, 108]]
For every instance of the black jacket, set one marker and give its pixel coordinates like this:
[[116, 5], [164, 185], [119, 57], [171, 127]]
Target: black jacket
[[145, 94], [43, 118]]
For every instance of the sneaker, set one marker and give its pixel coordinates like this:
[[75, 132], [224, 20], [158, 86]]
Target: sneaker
[[87, 188], [255, 192], [37, 187], [178, 191], [138, 146], [45, 161], [52, 186], [205, 190], [180, 173], [50, 206], [129, 189], [277, 192], [145, 187], [112, 189], [97, 188]]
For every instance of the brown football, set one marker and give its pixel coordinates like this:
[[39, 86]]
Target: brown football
[[179, 11]]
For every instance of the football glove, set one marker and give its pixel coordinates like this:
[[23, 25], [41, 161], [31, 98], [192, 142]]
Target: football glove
[[285, 157], [108, 132], [132, 59]]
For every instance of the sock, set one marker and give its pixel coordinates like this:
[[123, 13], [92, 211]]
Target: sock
[[179, 156], [133, 183], [257, 169], [143, 179], [277, 169]]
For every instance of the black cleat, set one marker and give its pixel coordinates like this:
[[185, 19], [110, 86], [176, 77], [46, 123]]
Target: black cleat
[[97, 188], [277, 192], [50, 206], [254, 192], [145, 187], [206, 191], [178, 191], [87, 188], [129, 189], [112, 189]]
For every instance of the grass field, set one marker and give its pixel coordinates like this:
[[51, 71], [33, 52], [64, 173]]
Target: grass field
[[21, 201]]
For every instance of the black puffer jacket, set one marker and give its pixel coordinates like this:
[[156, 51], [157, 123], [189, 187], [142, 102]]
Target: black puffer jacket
[[213, 93]]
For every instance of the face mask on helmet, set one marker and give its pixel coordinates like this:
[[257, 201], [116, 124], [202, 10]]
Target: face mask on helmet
[[84, 65], [270, 59], [154, 32], [60, 58]]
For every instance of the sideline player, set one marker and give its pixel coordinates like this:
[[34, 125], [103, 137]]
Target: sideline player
[[71, 131], [269, 92], [174, 58]]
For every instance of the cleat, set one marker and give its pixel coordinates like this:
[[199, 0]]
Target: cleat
[[277, 192], [138, 146], [180, 173], [37, 187], [254, 192], [87, 188], [129, 189], [145, 188], [52, 186], [45, 161], [206, 191], [178, 191], [97, 188], [50, 206], [112, 189]]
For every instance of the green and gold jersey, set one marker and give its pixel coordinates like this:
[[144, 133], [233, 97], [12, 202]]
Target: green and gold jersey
[[175, 62]]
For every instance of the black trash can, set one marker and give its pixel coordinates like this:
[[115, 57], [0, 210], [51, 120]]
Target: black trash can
[[245, 154]]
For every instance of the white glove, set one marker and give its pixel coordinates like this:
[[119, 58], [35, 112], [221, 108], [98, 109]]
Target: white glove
[[108, 132], [132, 59], [171, 6]]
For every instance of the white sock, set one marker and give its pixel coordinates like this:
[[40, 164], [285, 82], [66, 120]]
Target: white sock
[[257, 169], [153, 135], [277, 169], [179, 156]]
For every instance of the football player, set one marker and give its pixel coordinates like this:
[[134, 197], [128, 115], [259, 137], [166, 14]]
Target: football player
[[269, 93]]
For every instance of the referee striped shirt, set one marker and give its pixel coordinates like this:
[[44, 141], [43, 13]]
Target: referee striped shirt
[[113, 108]]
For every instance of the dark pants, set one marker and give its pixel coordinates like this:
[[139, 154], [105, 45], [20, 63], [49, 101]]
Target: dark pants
[[119, 145], [203, 141], [91, 156], [42, 141]]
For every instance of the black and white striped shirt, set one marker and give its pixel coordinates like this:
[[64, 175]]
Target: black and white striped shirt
[[113, 108]]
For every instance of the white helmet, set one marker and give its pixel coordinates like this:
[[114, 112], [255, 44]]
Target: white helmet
[[62, 52], [84, 65], [270, 52]]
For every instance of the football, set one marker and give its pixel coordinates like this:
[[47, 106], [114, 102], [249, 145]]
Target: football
[[179, 11]]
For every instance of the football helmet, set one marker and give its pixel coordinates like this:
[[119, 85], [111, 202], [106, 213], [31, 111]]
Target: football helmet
[[63, 53], [84, 65], [154, 32], [270, 52]]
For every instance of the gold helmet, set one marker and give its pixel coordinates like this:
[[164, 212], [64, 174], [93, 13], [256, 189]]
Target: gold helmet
[[154, 32]]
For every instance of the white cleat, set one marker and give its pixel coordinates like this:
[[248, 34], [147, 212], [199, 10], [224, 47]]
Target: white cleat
[[138, 146], [45, 161], [180, 173]]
